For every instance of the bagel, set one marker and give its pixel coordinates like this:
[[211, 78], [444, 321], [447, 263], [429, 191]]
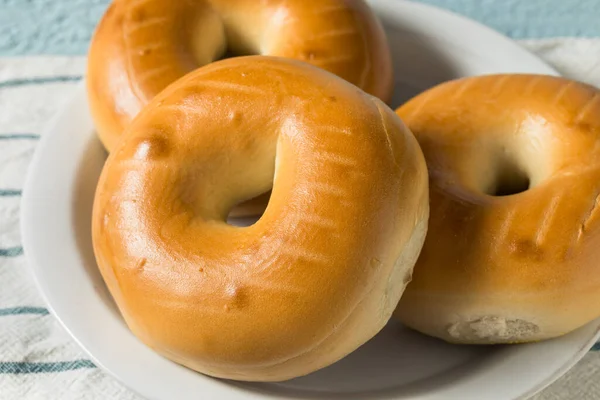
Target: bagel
[[141, 46], [513, 244], [317, 275]]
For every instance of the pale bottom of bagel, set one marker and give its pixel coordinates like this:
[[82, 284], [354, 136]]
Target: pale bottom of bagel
[[496, 320], [368, 318]]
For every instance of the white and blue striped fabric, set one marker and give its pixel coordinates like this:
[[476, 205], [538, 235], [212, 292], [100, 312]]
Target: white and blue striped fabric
[[42, 49]]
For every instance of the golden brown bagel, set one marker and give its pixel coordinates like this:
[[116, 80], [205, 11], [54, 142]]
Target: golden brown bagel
[[319, 273], [513, 244], [141, 46]]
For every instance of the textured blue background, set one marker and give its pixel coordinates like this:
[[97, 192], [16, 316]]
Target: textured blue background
[[65, 26]]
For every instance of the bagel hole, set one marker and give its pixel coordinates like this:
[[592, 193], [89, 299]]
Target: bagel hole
[[252, 203], [247, 212], [228, 54], [511, 180], [212, 41]]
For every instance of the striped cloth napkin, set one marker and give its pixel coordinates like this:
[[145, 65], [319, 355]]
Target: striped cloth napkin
[[38, 360]]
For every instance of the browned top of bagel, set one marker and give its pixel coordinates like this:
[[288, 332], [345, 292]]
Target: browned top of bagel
[[514, 236], [319, 273]]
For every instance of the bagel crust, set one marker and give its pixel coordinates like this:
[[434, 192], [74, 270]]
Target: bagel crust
[[141, 46], [320, 272], [513, 245]]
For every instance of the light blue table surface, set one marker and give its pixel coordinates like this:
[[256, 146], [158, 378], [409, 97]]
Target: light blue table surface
[[64, 27]]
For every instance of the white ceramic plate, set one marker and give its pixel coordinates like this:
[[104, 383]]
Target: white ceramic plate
[[429, 46]]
